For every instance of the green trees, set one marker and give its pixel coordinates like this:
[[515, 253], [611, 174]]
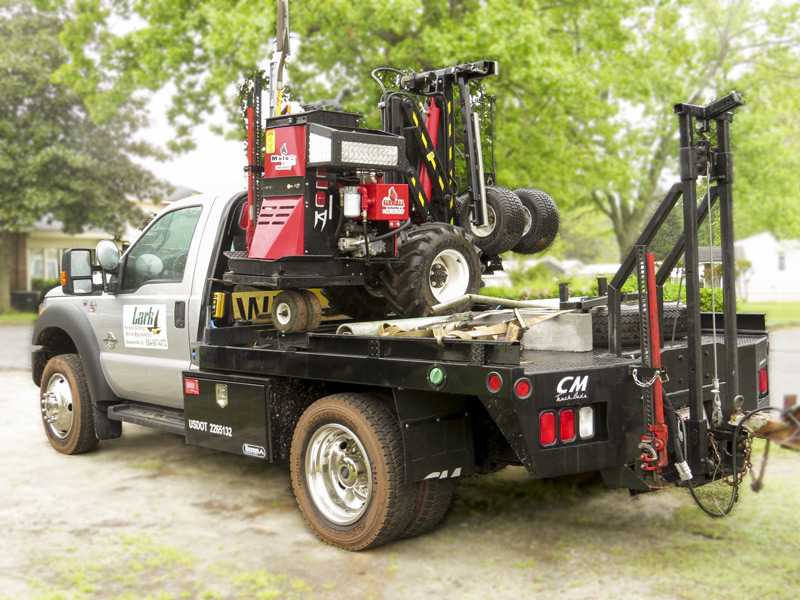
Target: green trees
[[53, 157], [585, 92]]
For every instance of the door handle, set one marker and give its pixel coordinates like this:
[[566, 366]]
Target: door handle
[[180, 315]]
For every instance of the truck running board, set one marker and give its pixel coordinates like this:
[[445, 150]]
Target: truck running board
[[165, 419]]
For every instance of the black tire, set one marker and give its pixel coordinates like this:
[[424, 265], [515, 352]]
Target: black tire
[[357, 302], [541, 230], [289, 311], [65, 372], [389, 508], [507, 221], [313, 310], [409, 284], [630, 332], [434, 499]]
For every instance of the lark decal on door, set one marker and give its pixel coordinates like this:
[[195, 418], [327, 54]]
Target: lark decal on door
[[144, 326]]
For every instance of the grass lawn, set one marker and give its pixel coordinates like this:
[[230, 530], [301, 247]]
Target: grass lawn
[[17, 318], [592, 540], [779, 314]]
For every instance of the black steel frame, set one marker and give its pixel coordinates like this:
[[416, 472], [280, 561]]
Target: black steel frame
[[399, 114], [697, 157]]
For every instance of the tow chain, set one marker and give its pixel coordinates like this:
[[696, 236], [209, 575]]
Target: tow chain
[[657, 374], [735, 479]]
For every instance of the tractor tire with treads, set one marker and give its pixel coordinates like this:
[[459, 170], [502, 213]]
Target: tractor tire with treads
[[437, 264], [357, 302], [506, 221], [348, 473], [630, 328], [541, 221]]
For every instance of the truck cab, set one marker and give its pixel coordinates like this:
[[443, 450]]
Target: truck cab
[[143, 324]]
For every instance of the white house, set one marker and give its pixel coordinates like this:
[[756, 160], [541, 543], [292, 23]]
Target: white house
[[774, 271]]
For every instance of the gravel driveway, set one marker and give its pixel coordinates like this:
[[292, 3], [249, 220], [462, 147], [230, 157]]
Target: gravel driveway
[[147, 515]]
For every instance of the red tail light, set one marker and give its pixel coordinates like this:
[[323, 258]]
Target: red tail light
[[523, 388], [547, 428], [566, 425], [494, 382], [191, 386], [763, 381]]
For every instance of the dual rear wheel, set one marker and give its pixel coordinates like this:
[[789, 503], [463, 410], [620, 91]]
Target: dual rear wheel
[[347, 472]]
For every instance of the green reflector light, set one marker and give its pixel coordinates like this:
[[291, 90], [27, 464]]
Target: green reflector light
[[436, 376]]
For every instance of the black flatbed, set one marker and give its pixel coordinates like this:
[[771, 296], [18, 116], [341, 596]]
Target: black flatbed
[[400, 362]]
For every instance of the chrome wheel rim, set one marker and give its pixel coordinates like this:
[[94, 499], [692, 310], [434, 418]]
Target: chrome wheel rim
[[338, 474], [57, 406], [283, 313], [528, 220], [449, 275], [483, 231]]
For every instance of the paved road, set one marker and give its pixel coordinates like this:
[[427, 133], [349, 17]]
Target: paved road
[[15, 346], [784, 364]]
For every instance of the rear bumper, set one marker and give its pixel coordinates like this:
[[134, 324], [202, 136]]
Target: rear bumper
[[617, 412]]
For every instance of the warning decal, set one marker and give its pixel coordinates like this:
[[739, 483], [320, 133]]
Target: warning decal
[[145, 326]]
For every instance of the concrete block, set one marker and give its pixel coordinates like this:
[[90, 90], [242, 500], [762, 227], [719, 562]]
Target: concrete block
[[569, 332]]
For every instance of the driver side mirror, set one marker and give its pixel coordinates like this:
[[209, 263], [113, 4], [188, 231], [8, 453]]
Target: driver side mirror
[[76, 272]]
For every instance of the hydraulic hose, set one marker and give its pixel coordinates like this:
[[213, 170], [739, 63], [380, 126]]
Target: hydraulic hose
[[735, 487]]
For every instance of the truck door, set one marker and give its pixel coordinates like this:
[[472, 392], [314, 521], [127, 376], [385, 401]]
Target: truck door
[[142, 330]]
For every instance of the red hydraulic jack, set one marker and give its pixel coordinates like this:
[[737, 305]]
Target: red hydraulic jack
[[654, 441]]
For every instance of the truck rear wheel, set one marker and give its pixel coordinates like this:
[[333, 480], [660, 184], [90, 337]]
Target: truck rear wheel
[[347, 472], [434, 498], [67, 413], [437, 264]]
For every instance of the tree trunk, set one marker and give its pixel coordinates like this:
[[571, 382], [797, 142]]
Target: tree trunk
[[626, 232], [6, 240]]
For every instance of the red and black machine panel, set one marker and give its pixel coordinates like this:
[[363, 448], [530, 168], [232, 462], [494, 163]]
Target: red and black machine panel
[[306, 162], [317, 186]]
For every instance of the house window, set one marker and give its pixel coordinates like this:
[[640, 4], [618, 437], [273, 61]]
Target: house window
[[781, 261], [43, 263]]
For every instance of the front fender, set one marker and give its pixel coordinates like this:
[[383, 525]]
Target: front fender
[[70, 319]]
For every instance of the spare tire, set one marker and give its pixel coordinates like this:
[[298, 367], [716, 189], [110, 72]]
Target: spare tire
[[506, 221], [541, 221], [630, 331]]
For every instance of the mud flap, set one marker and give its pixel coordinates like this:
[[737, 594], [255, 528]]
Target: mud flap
[[105, 428], [437, 435]]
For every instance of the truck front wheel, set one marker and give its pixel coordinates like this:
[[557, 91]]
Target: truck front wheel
[[66, 406], [346, 464]]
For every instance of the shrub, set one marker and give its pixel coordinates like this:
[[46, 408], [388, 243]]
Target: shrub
[[39, 284]]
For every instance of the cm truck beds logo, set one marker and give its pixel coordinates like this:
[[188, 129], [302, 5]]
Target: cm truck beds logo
[[572, 387]]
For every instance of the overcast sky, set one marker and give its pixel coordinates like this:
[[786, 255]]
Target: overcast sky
[[215, 166]]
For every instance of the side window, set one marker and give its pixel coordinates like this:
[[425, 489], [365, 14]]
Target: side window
[[161, 253]]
